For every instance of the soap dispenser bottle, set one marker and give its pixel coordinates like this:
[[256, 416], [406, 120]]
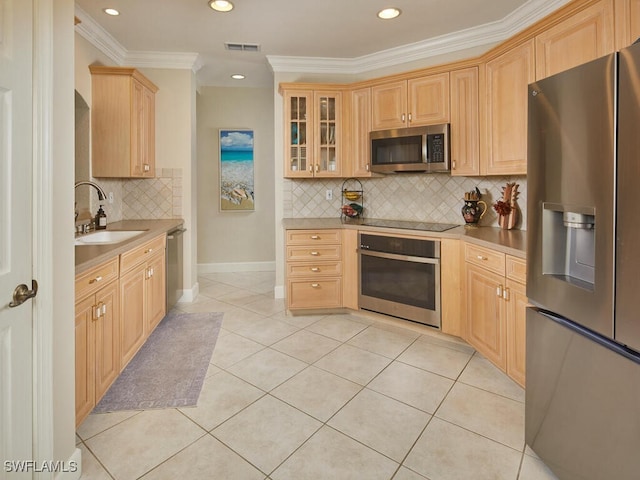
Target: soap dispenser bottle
[[101, 219]]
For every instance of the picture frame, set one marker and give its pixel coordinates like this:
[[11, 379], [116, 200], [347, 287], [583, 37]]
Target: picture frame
[[236, 170]]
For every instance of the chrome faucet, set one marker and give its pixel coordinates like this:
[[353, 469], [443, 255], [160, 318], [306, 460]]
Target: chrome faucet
[[101, 195]]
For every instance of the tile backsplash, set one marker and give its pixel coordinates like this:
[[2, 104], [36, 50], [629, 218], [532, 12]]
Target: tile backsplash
[[415, 197], [148, 198]]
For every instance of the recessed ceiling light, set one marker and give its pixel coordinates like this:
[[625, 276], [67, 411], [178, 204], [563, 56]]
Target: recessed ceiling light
[[389, 13], [237, 76], [221, 5], [111, 11]]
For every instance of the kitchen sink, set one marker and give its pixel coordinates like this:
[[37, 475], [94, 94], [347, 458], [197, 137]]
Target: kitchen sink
[[106, 237]]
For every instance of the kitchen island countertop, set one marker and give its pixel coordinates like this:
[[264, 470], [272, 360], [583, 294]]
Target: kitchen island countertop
[[512, 242], [88, 256]]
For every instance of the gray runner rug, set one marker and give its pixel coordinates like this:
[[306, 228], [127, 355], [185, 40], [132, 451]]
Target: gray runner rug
[[169, 369]]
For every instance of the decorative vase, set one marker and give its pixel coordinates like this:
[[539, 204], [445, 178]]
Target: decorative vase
[[473, 211], [508, 220]]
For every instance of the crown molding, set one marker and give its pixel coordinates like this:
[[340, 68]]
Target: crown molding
[[483, 35], [90, 30]]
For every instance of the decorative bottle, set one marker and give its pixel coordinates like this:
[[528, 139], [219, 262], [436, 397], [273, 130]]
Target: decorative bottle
[[101, 219]]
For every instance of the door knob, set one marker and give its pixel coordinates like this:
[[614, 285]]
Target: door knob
[[22, 293]]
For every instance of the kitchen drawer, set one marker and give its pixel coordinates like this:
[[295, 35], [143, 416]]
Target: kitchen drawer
[[485, 258], [305, 294], [313, 237], [314, 253], [142, 253], [93, 280], [516, 269], [317, 269]]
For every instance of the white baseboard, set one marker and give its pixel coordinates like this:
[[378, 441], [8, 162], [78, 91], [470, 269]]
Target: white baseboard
[[74, 461], [278, 291], [190, 294], [236, 267]]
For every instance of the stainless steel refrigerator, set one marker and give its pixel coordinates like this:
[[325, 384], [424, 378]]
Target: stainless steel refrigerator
[[582, 410]]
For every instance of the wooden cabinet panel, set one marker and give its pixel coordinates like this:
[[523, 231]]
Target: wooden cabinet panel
[[313, 237], [142, 253], [517, 302], [485, 258], [85, 358], [506, 105], [107, 338], [156, 291], [627, 22], [122, 123], [451, 284], [322, 269], [314, 252], [389, 105], [516, 269], [585, 36], [133, 311], [94, 279], [305, 294], [429, 100], [465, 122], [486, 328], [360, 128], [350, 275], [414, 102]]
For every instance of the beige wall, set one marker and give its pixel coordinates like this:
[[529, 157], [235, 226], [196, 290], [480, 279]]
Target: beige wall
[[235, 240]]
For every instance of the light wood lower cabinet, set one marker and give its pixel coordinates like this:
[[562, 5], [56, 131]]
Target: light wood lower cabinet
[[314, 269], [496, 299], [97, 336], [142, 291], [118, 304]]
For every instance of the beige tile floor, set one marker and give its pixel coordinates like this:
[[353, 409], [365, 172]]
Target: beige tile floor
[[340, 396]]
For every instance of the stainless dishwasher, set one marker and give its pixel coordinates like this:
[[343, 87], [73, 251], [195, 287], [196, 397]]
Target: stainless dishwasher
[[174, 265]]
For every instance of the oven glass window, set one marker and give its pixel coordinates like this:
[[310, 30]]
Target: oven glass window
[[399, 281]]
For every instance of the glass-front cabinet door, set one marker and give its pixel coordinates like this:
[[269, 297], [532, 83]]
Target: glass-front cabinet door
[[327, 151], [312, 133], [298, 134]]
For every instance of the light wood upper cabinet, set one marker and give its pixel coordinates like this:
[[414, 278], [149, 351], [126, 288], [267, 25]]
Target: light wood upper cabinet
[[585, 36], [313, 133], [360, 155], [465, 122], [627, 22], [122, 123], [505, 99], [413, 102]]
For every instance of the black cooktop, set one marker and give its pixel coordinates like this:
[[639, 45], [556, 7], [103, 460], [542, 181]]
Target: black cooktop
[[425, 226]]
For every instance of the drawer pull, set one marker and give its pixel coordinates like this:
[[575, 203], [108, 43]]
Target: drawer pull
[[315, 269], [499, 290], [149, 251], [315, 285], [96, 280], [315, 237], [314, 253], [505, 294], [480, 257]]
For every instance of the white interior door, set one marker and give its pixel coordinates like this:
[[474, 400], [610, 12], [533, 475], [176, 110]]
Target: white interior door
[[16, 265]]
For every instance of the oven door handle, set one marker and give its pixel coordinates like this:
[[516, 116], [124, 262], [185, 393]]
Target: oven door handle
[[395, 256]]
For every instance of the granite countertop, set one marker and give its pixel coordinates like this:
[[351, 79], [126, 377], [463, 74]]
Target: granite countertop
[[512, 242], [88, 256]]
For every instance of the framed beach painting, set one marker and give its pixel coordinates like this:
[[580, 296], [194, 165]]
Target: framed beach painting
[[236, 170]]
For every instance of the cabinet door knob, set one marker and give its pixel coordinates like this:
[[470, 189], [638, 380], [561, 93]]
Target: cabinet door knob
[[146, 167], [499, 290], [403, 117], [366, 167], [506, 294], [410, 118], [453, 164]]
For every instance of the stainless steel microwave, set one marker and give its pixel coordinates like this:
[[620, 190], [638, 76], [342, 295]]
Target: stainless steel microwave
[[413, 149]]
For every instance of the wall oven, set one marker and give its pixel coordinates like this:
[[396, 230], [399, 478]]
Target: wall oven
[[400, 277]]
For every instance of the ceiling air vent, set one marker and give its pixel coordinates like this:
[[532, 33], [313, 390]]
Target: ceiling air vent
[[242, 47]]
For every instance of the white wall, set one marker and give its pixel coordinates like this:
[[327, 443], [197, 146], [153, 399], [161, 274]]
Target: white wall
[[235, 240]]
